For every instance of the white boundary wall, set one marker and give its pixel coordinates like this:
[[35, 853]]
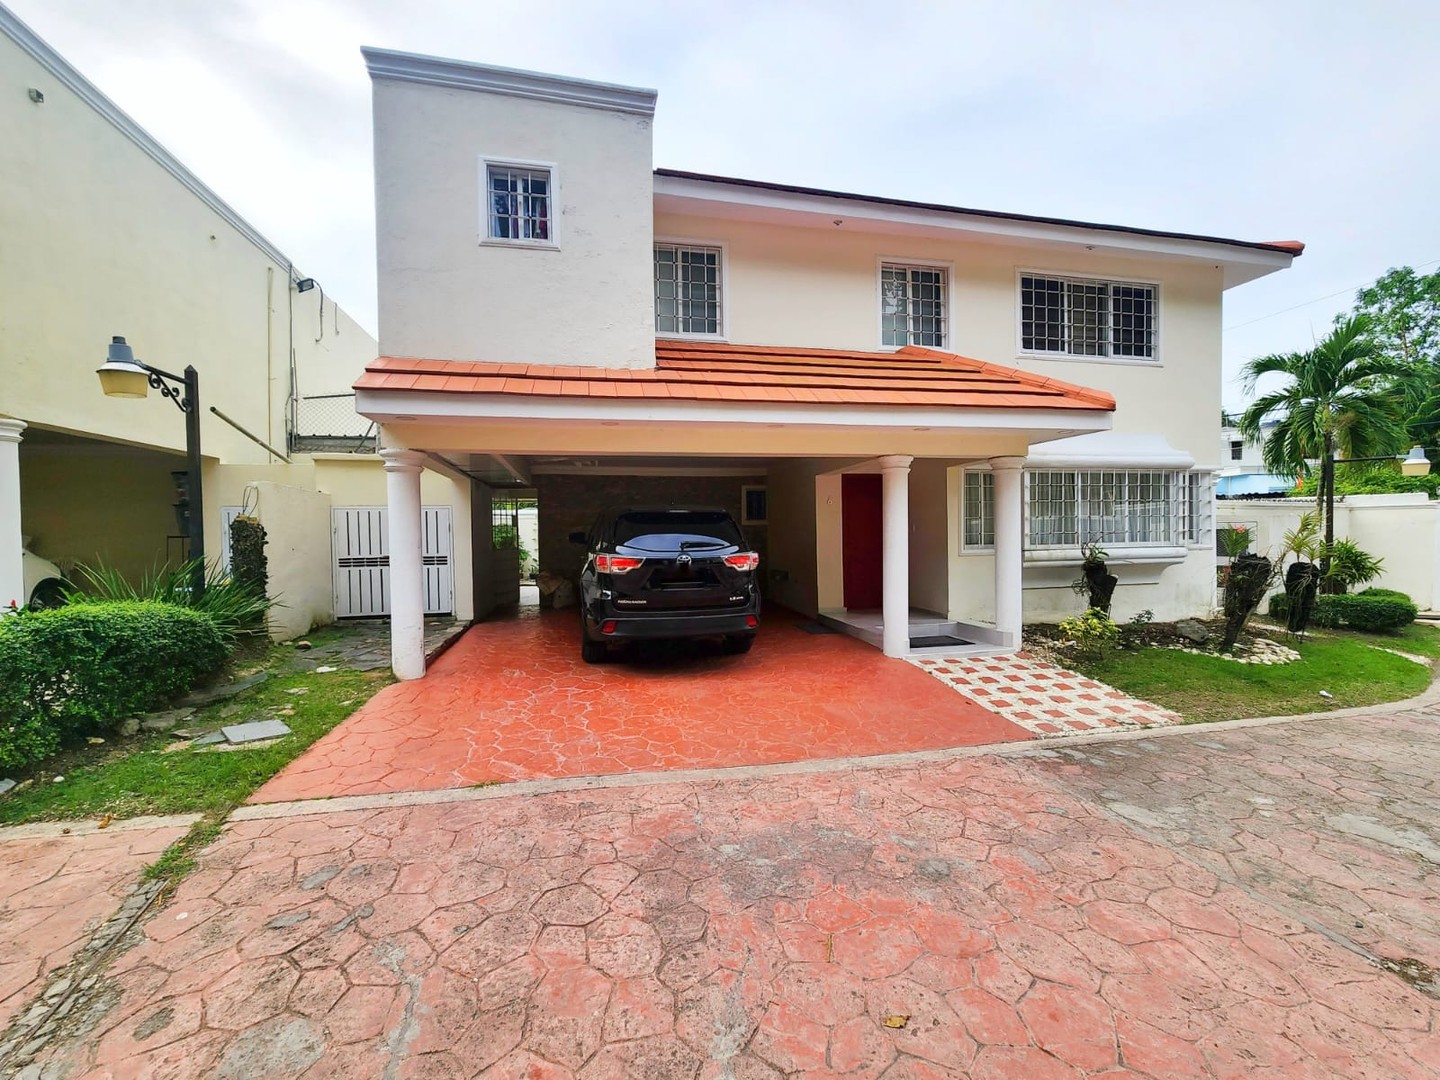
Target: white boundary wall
[[1404, 530]]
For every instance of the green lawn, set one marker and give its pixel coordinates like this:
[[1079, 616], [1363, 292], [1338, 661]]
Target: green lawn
[[1203, 688], [130, 777]]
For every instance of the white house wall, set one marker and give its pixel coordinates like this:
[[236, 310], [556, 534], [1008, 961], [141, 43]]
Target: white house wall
[[807, 287], [444, 294]]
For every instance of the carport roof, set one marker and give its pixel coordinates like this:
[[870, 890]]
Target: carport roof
[[719, 372]]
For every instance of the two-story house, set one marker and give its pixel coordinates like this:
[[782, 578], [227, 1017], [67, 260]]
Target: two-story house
[[922, 411]]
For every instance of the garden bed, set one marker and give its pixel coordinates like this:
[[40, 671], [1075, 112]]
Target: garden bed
[[1162, 663], [165, 773]]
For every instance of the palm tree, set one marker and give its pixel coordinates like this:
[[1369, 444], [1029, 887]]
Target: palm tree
[[1344, 394]]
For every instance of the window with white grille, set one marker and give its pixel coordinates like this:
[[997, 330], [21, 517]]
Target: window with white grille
[[977, 500], [687, 289], [1086, 317], [1196, 508], [913, 305], [1139, 508], [520, 201]]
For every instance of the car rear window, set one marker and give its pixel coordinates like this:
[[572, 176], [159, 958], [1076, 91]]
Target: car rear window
[[669, 528]]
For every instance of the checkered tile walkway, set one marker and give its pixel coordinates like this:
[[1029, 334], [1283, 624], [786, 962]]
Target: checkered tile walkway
[[1042, 698]]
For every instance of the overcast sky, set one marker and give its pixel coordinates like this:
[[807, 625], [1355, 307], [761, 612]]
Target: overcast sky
[[1314, 120]]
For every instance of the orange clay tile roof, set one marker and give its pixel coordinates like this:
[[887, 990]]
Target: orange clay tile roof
[[711, 371]]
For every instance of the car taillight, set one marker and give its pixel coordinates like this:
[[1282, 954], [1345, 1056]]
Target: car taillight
[[615, 564], [746, 560]]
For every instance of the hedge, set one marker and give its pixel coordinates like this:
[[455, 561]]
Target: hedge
[[1374, 610], [89, 666]]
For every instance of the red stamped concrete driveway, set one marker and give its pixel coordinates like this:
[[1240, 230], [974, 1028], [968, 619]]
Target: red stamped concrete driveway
[[1037, 916], [512, 701], [56, 889]]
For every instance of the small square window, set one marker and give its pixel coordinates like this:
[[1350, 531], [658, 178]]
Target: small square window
[[688, 282], [520, 203], [913, 302]]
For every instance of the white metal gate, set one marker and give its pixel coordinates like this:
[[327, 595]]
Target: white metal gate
[[362, 561]]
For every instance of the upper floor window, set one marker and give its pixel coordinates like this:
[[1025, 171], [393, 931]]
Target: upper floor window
[[687, 289], [1237, 449], [913, 305], [521, 202], [1087, 317]]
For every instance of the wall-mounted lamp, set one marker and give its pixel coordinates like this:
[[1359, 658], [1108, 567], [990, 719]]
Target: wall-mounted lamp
[[305, 284], [37, 96]]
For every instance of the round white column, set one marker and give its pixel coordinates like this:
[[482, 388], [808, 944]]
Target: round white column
[[1009, 546], [12, 567], [895, 502], [407, 571]]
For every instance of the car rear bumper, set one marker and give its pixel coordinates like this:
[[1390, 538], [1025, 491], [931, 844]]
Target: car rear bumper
[[628, 625]]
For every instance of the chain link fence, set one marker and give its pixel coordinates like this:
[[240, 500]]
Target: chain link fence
[[329, 422]]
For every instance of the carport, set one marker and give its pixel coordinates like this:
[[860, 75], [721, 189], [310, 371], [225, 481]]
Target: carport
[[815, 421]]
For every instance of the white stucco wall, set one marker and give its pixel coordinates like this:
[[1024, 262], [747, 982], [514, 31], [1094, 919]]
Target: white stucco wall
[[446, 295], [299, 568], [1404, 530]]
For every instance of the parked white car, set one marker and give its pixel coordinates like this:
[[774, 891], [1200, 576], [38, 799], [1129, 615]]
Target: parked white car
[[44, 583]]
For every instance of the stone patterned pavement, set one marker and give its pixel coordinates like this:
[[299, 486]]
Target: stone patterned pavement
[[1338, 821], [511, 700], [1041, 697], [55, 890], [1037, 915]]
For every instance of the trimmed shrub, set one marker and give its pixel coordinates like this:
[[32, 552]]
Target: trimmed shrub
[[1374, 610], [1388, 594], [90, 666]]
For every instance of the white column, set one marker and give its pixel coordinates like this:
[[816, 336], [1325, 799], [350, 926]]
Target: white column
[[407, 573], [1009, 545], [12, 571], [895, 500]]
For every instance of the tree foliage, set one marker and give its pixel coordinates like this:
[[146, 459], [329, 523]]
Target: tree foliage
[[1404, 312], [1343, 395]]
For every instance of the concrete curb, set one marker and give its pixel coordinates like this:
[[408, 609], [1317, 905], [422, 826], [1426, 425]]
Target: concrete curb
[[42, 830]]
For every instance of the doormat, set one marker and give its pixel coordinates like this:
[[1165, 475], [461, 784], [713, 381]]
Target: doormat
[[939, 641], [817, 628]]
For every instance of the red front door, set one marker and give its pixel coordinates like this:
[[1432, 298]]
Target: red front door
[[863, 540]]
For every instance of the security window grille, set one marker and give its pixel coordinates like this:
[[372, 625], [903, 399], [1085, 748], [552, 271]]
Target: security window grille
[[912, 305], [979, 509], [1237, 449], [687, 289], [1110, 508], [1195, 508], [1084, 317], [520, 203]]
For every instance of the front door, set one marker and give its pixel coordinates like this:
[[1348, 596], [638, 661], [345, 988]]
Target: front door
[[863, 541]]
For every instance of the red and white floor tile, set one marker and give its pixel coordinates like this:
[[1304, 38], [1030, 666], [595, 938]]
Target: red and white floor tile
[[1041, 697]]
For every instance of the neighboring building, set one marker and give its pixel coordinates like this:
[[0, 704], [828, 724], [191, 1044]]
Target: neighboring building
[[1242, 470], [557, 313], [103, 232]]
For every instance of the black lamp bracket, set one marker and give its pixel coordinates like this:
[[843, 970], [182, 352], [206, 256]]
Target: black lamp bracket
[[175, 393]]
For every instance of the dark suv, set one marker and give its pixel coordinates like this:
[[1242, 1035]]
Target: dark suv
[[666, 572]]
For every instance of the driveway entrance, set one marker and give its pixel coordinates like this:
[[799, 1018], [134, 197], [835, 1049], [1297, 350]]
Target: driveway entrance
[[511, 700]]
